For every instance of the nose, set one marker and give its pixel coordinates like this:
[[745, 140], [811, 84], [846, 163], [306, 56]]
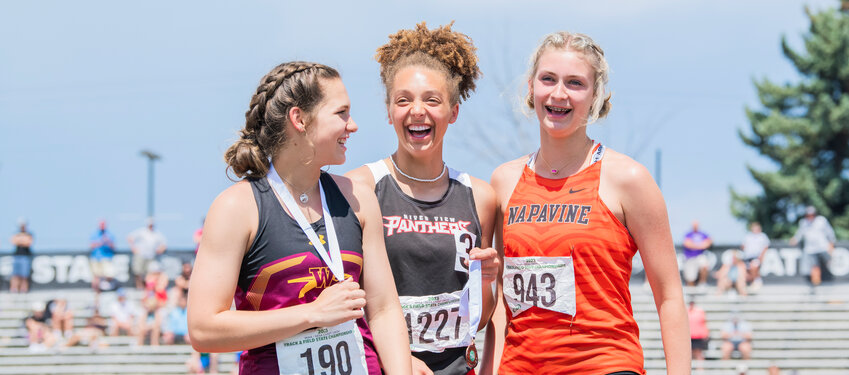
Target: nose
[[417, 109], [351, 126], [560, 92]]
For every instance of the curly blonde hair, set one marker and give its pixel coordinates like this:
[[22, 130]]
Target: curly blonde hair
[[449, 52]]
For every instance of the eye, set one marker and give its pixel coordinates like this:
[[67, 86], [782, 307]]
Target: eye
[[547, 79], [434, 100], [576, 82], [402, 101]]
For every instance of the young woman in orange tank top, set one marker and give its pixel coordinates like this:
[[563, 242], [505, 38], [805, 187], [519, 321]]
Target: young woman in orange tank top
[[572, 217]]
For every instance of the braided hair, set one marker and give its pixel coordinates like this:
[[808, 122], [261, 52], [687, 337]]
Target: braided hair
[[288, 85], [449, 52]]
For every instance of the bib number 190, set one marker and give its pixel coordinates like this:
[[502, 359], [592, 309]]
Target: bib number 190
[[337, 361], [528, 293]]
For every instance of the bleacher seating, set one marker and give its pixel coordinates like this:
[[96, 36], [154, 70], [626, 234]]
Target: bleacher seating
[[793, 329]]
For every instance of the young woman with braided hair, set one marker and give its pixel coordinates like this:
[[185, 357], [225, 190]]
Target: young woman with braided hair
[[434, 216], [299, 250], [572, 216]]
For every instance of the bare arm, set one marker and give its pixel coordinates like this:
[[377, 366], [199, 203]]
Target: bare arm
[[213, 327], [504, 180], [641, 200], [383, 308]]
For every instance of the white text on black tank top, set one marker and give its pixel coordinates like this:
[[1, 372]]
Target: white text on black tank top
[[424, 224]]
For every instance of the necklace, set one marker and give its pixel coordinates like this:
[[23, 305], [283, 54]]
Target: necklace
[[444, 168], [553, 170], [304, 198]]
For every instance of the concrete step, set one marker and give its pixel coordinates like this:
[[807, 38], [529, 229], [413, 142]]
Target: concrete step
[[139, 369]]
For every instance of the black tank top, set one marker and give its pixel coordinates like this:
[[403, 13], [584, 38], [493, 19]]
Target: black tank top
[[282, 268], [421, 247], [23, 250]]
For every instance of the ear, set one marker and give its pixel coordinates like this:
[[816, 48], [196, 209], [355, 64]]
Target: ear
[[389, 114], [455, 111], [296, 117]]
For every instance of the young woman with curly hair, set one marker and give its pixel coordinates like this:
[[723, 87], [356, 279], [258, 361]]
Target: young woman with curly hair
[[433, 215]]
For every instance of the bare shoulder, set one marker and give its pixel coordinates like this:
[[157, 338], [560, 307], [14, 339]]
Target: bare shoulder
[[505, 176], [623, 172], [361, 175], [357, 193], [482, 190], [232, 200]]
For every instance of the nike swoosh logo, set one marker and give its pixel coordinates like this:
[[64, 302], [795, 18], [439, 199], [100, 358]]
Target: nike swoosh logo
[[571, 191]]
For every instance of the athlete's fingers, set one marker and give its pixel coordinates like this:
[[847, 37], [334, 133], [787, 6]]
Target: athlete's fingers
[[356, 294], [482, 254]]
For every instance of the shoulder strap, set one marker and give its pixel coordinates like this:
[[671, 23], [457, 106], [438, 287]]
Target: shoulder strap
[[378, 170], [461, 177]]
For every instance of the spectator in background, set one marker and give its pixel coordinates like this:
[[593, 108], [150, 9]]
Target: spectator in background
[[198, 235], [39, 334], [181, 283], [91, 334], [21, 258], [123, 315], [176, 328], [146, 244], [699, 333], [736, 336], [102, 245], [732, 272], [817, 238], [695, 260], [61, 318], [153, 301], [755, 244]]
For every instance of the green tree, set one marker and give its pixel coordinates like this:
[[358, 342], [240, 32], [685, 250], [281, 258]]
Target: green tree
[[804, 128]]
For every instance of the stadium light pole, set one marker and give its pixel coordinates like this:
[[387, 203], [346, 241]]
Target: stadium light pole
[[151, 158]]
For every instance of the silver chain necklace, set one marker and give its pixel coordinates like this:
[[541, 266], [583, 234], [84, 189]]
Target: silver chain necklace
[[444, 168], [304, 198]]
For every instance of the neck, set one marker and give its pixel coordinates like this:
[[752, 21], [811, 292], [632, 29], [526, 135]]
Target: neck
[[567, 154], [300, 177], [423, 167]]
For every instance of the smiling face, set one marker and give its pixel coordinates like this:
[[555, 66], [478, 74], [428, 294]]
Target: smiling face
[[562, 91], [331, 124], [420, 109]]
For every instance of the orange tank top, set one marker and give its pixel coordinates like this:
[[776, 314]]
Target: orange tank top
[[564, 218]]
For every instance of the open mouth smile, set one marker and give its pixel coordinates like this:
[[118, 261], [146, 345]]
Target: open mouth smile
[[419, 131]]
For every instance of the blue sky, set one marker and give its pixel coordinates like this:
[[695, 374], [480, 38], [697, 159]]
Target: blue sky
[[86, 85]]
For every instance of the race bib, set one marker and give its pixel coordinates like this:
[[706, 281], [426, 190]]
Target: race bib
[[435, 322], [330, 350], [544, 282]]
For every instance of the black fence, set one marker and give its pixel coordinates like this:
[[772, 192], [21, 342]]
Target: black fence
[[71, 269]]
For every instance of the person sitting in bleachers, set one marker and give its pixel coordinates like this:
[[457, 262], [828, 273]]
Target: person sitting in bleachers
[[176, 329], [154, 300], [61, 319], [39, 333], [732, 273], [736, 336], [123, 315], [91, 334]]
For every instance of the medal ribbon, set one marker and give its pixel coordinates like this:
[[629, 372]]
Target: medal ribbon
[[333, 259]]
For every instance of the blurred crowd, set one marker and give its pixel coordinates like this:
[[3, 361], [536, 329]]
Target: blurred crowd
[[152, 309]]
